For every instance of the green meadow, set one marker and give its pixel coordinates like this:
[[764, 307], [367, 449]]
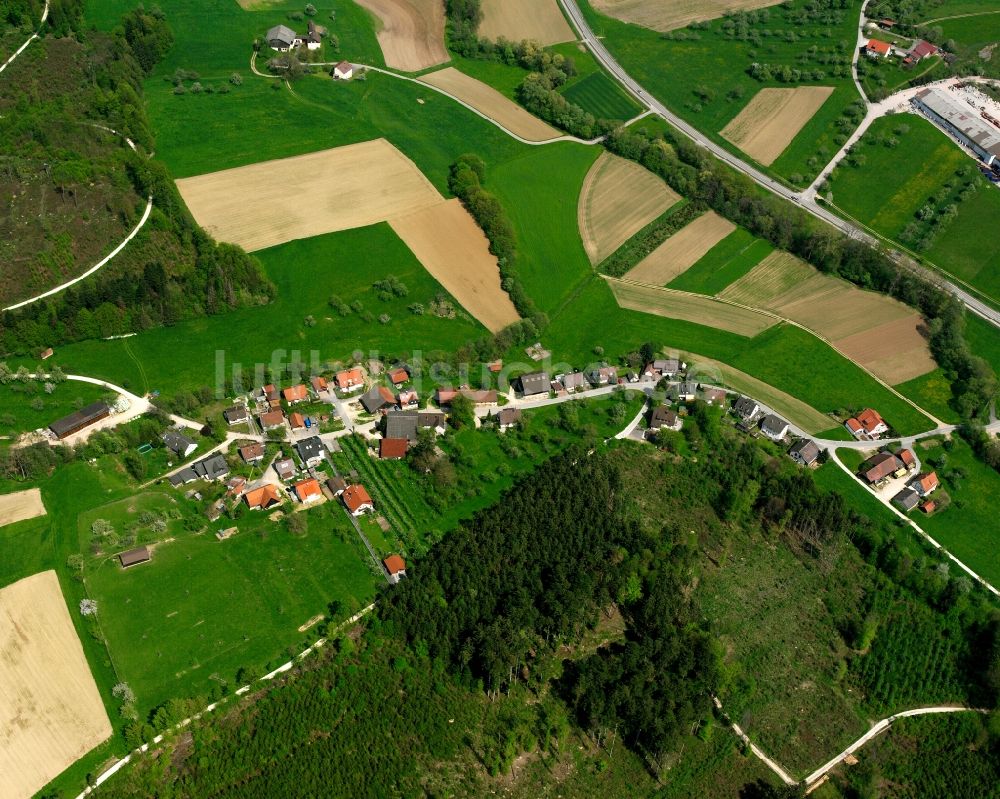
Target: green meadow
[[725, 263], [27, 406], [601, 96]]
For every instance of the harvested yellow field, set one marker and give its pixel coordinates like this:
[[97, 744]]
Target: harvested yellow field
[[21, 505], [617, 200], [307, 195], [412, 32], [769, 122], [879, 333], [541, 20], [668, 15], [50, 711], [682, 250], [451, 246], [489, 102], [690, 307]]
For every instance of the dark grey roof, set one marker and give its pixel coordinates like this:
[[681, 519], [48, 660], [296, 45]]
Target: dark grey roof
[[237, 413], [80, 419], [574, 380], [773, 425], [667, 365], [806, 449], [214, 467], [535, 383], [177, 442], [373, 400], [402, 424], [430, 419], [906, 499], [134, 556], [183, 476], [662, 415], [746, 407], [509, 416], [281, 33], [309, 448]]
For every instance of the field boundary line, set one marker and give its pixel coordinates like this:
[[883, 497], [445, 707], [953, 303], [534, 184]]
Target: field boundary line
[[927, 22], [23, 47], [793, 323], [120, 764]]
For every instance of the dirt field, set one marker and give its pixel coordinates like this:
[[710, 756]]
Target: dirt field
[[668, 15], [412, 32], [540, 20], [308, 195], [50, 711], [690, 307], [769, 122], [490, 102], [617, 200], [876, 331], [450, 245], [21, 505], [682, 250]]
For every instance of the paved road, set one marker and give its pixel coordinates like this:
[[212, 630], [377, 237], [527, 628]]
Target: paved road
[[601, 53]]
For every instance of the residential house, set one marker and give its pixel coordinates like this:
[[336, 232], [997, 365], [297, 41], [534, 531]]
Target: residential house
[[663, 367], [133, 557], [377, 398], [214, 467], [267, 496], [236, 414], [392, 449], [603, 375], [311, 450], [408, 399], [631, 376], [664, 417], [252, 453], [804, 452], [294, 394], [336, 485], [746, 408], [282, 38], [401, 425], [296, 421], [908, 459], [928, 506], [356, 500], [685, 391], [880, 467], [350, 380], [714, 396], [866, 425], [319, 384], [285, 468], [484, 397], [906, 500], [343, 71], [269, 394], [178, 443], [78, 420], [235, 485], [398, 376], [308, 491], [508, 417], [534, 384], [920, 51], [395, 567], [272, 420], [774, 427], [314, 36], [876, 48], [431, 420], [924, 483], [575, 381]]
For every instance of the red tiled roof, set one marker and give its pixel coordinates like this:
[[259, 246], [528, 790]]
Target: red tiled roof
[[869, 419], [308, 489], [295, 393], [251, 451], [878, 46], [263, 497], [318, 383], [387, 395], [928, 506], [923, 49], [927, 482], [394, 564], [408, 397], [392, 448], [853, 425], [355, 496], [496, 366], [297, 421], [397, 376], [272, 418], [349, 378], [907, 457]]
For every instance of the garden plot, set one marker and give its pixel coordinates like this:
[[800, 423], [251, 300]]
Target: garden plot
[[21, 505], [411, 34], [875, 331], [51, 713], [769, 122], [663, 16], [690, 308], [307, 195], [682, 250], [540, 20], [452, 247], [489, 102], [618, 199]]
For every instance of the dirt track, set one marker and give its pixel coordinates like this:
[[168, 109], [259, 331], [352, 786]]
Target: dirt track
[[412, 32], [21, 505], [663, 16], [307, 195], [490, 102], [768, 123], [450, 245], [540, 20], [50, 711]]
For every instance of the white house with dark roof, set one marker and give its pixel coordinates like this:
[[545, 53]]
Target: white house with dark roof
[[282, 38]]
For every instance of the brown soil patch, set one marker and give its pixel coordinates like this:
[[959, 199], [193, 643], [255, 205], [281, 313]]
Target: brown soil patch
[[661, 15], [879, 333], [308, 195], [412, 32], [691, 308], [682, 250], [769, 122], [451, 246], [489, 102], [541, 20], [51, 713], [21, 505], [617, 200]]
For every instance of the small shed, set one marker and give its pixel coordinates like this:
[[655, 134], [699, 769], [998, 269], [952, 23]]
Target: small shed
[[133, 557]]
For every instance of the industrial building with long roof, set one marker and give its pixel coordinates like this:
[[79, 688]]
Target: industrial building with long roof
[[962, 121]]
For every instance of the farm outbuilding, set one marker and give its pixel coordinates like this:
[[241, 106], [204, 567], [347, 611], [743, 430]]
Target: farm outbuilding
[[343, 71], [134, 557], [78, 420]]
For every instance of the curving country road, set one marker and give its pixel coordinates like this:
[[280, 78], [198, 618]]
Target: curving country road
[[803, 200], [23, 47]]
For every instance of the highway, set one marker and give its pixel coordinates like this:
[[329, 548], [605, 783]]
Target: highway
[[601, 53]]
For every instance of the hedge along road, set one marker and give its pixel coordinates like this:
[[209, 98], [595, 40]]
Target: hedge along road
[[23, 47], [803, 199], [104, 261]]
